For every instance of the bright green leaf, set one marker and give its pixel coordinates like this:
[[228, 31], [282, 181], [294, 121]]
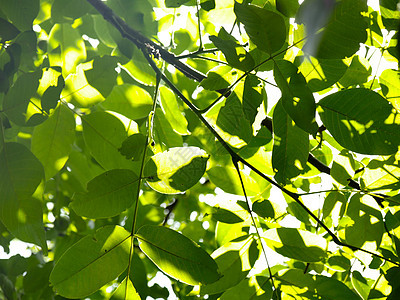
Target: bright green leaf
[[66, 48], [108, 194], [172, 111], [164, 133], [390, 84], [129, 100], [177, 256], [175, 170], [100, 258], [297, 244], [360, 284], [104, 135], [253, 95], [52, 140], [125, 291], [234, 261]]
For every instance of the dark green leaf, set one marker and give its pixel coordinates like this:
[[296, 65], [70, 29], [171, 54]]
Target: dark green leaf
[[7, 30], [253, 95], [290, 149], [287, 7], [103, 75], [133, 146], [21, 12], [207, 4], [68, 11], [263, 208], [177, 256], [234, 53], [16, 101], [225, 216], [108, 194], [297, 99], [362, 121], [101, 257], [175, 3], [357, 73], [265, 28], [51, 96]]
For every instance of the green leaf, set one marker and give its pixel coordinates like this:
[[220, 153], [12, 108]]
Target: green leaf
[[297, 244], [163, 132], [21, 12], [125, 291], [207, 4], [16, 101], [225, 216], [177, 256], [290, 148], [231, 119], [129, 100], [287, 7], [7, 30], [322, 73], [345, 30], [360, 284], [67, 11], [66, 48], [297, 99], [357, 73], [253, 95], [103, 75], [234, 53], [133, 146], [101, 257], [227, 179], [52, 140], [263, 208], [253, 288], [265, 28], [175, 3], [20, 175], [175, 170], [234, 261], [51, 96], [108, 194], [219, 78], [172, 111], [104, 135], [390, 84], [362, 121]]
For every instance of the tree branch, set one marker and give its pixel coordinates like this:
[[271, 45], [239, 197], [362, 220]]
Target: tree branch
[[143, 42]]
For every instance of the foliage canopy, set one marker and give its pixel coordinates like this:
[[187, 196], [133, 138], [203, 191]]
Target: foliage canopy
[[247, 149]]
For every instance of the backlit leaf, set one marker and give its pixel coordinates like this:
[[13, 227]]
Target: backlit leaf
[[100, 258], [52, 140], [298, 244], [297, 99], [175, 170], [362, 121], [108, 194], [290, 149], [125, 291], [103, 75], [265, 28], [177, 256], [129, 100]]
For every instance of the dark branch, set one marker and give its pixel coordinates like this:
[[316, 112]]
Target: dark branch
[[143, 42]]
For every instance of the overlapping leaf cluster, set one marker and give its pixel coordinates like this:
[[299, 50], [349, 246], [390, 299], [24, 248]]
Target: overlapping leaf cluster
[[247, 149]]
